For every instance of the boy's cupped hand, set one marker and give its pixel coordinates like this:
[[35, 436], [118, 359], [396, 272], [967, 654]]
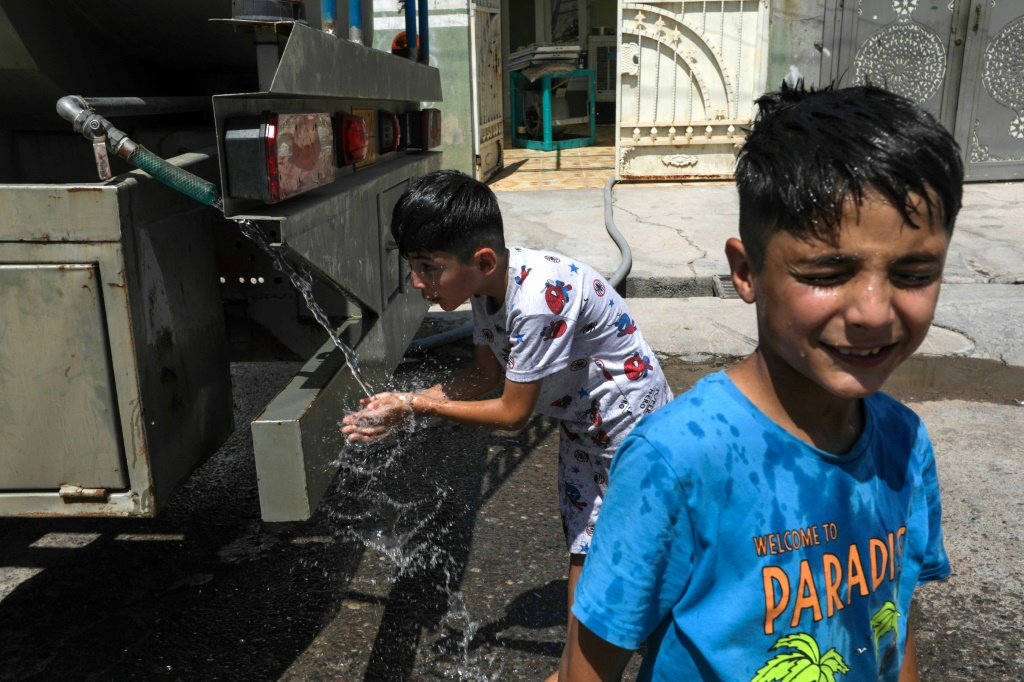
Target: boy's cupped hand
[[380, 415]]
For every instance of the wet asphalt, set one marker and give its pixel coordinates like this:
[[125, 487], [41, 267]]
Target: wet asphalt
[[435, 556]]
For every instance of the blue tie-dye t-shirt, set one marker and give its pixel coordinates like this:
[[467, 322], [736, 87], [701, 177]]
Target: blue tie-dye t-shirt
[[738, 552]]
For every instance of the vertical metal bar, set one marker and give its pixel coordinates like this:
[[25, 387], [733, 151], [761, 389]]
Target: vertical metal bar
[[329, 17], [546, 111], [424, 52], [474, 68], [410, 29], [355, 21], [592, 80]]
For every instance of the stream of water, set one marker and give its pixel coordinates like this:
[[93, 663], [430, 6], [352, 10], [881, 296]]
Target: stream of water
[[302, 280], [407, 532]]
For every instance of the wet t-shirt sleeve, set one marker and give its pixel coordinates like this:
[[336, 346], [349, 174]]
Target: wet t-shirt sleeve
[[540, 345], [642, 555], [935, 565]]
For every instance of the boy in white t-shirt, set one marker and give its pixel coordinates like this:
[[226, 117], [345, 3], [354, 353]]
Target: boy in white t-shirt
[[553, 327]]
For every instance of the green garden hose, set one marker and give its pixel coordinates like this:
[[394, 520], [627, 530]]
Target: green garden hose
[[176, 178]]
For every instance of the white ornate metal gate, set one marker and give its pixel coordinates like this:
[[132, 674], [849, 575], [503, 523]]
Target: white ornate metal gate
[[485, 30], [688, 75]]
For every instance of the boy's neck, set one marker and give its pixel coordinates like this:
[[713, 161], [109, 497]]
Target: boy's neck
[[808, 412], [495, 285]]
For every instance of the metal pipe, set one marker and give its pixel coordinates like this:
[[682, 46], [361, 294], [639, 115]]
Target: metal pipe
[[424, 44], [355, 21], [97, 129], [410, 28], [140, 106], [329, 17]]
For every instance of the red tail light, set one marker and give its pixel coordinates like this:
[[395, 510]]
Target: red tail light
[[277, 155], [422, 129], [273, 172], [351, 138], [389, 132]]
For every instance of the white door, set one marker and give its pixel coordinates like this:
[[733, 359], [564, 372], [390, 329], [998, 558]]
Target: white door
[[688, 76], [485, 33]]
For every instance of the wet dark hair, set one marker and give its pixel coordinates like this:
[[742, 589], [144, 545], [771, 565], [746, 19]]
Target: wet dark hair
[[447, 211], [810, 152]]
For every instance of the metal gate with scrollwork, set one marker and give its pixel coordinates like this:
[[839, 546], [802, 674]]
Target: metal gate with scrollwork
[[689, 73], [963, 60], [485, 32]]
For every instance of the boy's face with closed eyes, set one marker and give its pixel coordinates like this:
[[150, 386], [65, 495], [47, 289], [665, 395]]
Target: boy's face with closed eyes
[[841, 317]]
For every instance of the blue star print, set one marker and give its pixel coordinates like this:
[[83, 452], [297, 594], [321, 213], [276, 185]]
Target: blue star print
[[584, 393], [574, 268], [519, 338]]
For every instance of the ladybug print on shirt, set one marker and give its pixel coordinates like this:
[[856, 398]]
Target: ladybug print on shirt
[[555, 329], [556, 294], [637, 367]]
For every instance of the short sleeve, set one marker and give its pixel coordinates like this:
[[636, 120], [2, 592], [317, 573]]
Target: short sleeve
[[935, 565], [642, 554], [540, 345]]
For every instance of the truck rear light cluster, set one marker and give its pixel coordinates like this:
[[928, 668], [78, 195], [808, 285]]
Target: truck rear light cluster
[[352, 139], [421, 129], [274, 156], [389, 131]]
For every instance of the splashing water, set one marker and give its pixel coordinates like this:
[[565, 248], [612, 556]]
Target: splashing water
[[303, 282], [405, 532], [409, 526]]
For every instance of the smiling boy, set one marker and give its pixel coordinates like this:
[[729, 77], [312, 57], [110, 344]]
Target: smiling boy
[[773, 522], [552, 327]]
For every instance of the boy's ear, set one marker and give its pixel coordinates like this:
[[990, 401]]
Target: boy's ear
[[740, 267], [486, 260]]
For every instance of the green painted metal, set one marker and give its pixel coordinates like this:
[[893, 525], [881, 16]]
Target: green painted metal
[[547, 82]]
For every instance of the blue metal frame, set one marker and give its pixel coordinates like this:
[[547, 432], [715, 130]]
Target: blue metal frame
[[519, 82]]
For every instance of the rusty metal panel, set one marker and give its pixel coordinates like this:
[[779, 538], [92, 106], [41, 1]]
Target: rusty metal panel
[[59, 213], [154, 321], [55, 364], [689, 73]]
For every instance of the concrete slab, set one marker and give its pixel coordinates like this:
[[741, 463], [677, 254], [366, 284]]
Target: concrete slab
[[679, 231], [701, 327]]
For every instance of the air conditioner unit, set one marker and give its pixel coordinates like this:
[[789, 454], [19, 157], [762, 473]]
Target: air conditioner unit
[[601, 58]]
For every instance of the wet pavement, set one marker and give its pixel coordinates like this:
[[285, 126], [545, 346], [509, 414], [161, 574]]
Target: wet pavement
[[439, 556]]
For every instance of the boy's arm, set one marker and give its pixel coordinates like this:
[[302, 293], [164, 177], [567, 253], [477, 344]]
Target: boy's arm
[[909, 673], [385, 412], [588, 658], [482, 376]]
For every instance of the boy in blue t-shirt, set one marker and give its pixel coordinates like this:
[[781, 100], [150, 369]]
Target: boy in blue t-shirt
[[773, 522]]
